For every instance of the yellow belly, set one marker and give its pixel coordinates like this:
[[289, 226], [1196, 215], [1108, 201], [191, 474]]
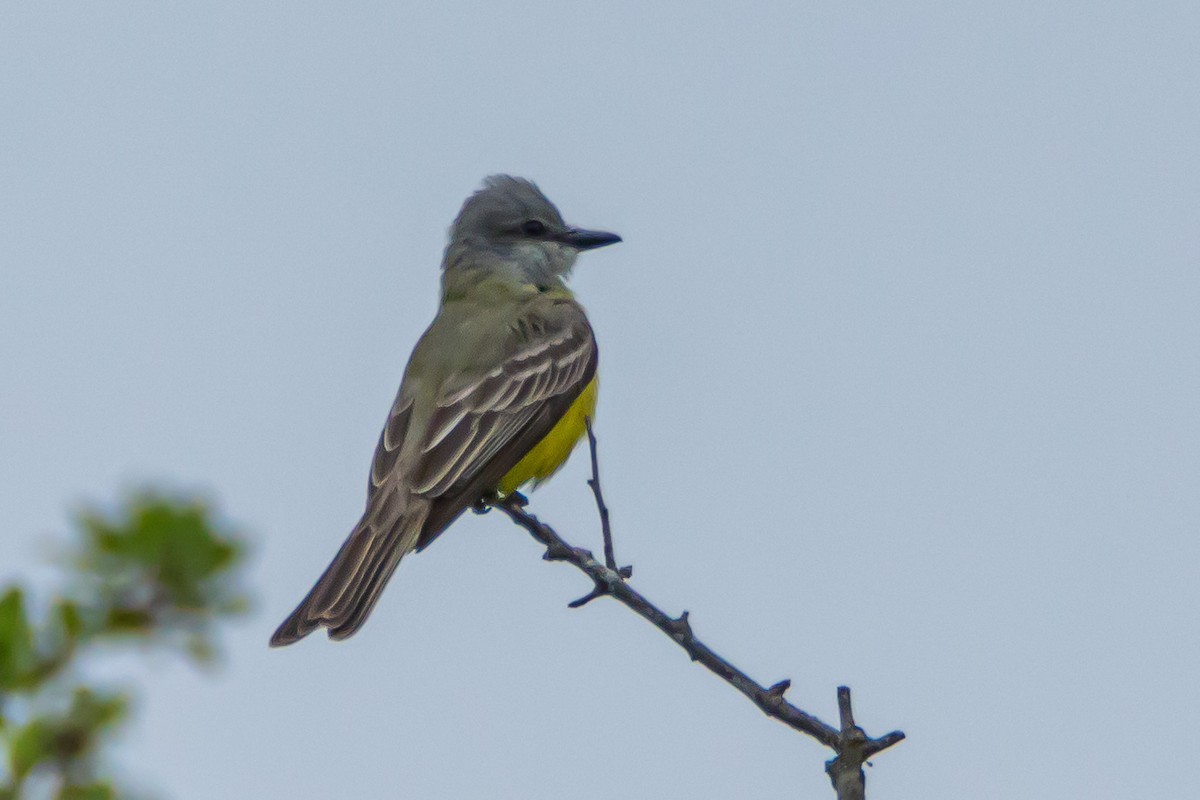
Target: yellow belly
[[551, 452]]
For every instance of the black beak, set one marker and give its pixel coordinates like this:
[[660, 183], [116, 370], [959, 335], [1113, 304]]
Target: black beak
[[581, 239]]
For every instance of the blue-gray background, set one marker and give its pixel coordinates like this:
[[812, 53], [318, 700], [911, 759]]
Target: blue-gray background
[[899, 358]]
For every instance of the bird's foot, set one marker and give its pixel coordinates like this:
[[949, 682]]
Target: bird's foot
[[488, 501]]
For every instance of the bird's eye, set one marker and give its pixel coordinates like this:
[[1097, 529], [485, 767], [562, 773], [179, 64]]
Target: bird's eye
[[533, 227]]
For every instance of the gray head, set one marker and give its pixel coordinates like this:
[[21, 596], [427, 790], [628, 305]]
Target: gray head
[[509, 228]]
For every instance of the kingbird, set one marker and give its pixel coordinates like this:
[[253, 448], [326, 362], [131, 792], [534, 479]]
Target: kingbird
[[496, 394]]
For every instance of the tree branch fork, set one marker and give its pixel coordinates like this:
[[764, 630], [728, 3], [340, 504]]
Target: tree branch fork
[[851, 745]]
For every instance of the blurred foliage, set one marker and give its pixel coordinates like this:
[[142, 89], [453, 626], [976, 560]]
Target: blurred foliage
[[160, 572]]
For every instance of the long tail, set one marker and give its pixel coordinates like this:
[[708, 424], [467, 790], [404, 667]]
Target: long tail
[[346, 592]]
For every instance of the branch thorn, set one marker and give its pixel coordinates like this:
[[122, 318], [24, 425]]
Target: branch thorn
[[599, 590], [681, 627]]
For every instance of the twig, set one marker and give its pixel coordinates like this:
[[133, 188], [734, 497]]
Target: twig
[[610, 559], [850, 743], [854, 748]]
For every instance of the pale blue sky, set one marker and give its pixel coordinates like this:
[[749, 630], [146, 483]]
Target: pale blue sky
[[900, 378]]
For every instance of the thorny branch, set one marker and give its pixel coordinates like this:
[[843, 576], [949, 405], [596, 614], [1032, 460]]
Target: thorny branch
[[851, 745]]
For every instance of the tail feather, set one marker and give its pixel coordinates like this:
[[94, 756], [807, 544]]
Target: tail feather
[[346, 592]]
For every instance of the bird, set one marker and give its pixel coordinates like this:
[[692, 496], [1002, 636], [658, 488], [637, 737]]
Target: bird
[[496, 394]]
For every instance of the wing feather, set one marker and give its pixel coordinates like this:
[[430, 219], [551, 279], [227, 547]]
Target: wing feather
[[391, 438], [477, 422]]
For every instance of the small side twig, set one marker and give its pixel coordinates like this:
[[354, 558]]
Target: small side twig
[[610, 558], [849, 742]]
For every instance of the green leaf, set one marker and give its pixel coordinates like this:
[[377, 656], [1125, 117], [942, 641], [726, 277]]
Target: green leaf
[[163, 556], [17, 655], [31, 745], [70, 619], [91, 710], [91, 791]]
